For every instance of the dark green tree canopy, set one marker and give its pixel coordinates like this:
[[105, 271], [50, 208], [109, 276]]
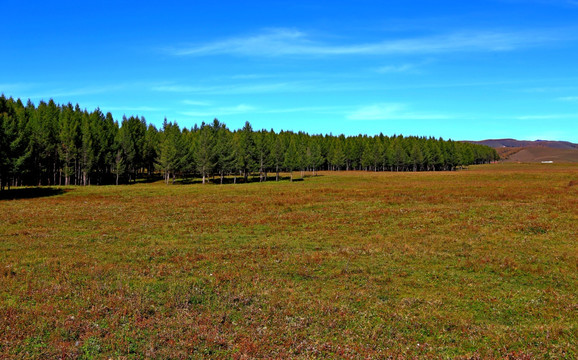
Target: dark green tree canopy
[[53, 144]]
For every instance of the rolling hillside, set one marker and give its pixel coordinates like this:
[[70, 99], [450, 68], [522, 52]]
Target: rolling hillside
[[533, 151], [512, 143]]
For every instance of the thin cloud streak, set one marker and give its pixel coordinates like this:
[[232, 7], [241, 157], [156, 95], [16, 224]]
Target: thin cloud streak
[[396, 69], [67, 93], [548, 117], [231, 89], [234, 110], [391, 112], [196, 103], [283, 42], [312, 86], [244, 109], [134, 108], [8, 88], [569, 98], [311, 109]]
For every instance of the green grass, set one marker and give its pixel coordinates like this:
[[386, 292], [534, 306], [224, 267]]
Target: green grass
[[477, 263]]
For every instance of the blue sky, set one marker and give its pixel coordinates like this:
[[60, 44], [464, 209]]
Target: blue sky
[[456, 69]]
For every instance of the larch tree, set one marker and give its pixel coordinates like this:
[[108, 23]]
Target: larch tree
[[291, 161], [246, 151], [204, 151], [224, 150]]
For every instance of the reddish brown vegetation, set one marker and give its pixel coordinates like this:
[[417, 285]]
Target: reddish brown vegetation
[[472, 264]]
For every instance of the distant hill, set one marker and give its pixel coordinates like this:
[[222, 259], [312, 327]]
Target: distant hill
[[540, 153], [533, 151], [512, 143]]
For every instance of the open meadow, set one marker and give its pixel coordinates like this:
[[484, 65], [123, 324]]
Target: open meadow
[[480, 263]]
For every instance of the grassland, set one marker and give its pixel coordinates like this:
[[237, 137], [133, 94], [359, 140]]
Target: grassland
[[476, 263]]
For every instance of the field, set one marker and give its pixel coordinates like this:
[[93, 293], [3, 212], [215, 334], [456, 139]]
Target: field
[[480, 263]]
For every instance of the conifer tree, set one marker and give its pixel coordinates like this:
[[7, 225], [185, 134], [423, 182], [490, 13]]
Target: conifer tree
[[246, 151], [291, 161], [224, 153], [277, 153], [262, 154], [151, 149], [204, 151], [68, 137], [171, 150], [316, 155]]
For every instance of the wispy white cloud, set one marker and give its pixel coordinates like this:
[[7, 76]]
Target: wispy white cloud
[[307, 109], [404, 68], [220, 111], [252, 76], [9, 88], [281, 42], [244, 109], [548, 117], [550, 89], [196, 103], [250, 88], [133, 108], [48, 92], [388, 111], [569, 98]]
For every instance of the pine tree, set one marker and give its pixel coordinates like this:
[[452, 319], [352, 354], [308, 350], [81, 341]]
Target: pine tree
[[246, 151], [316, 155], [171, 152], [277, 152], [416, 156], [68, 137], [262, 149], [335, 156], [204, 152], [151, 149], [88, 156], [291, 161], [224, 154], [119, 162], [368, 157]]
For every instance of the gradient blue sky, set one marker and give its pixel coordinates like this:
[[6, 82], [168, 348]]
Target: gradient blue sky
[[455, 69]]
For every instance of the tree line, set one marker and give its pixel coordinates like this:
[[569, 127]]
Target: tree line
[[53, 144]]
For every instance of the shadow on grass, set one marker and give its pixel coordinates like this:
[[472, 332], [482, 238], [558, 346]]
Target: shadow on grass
[[29, 193], [239, 180], [149, 180]]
